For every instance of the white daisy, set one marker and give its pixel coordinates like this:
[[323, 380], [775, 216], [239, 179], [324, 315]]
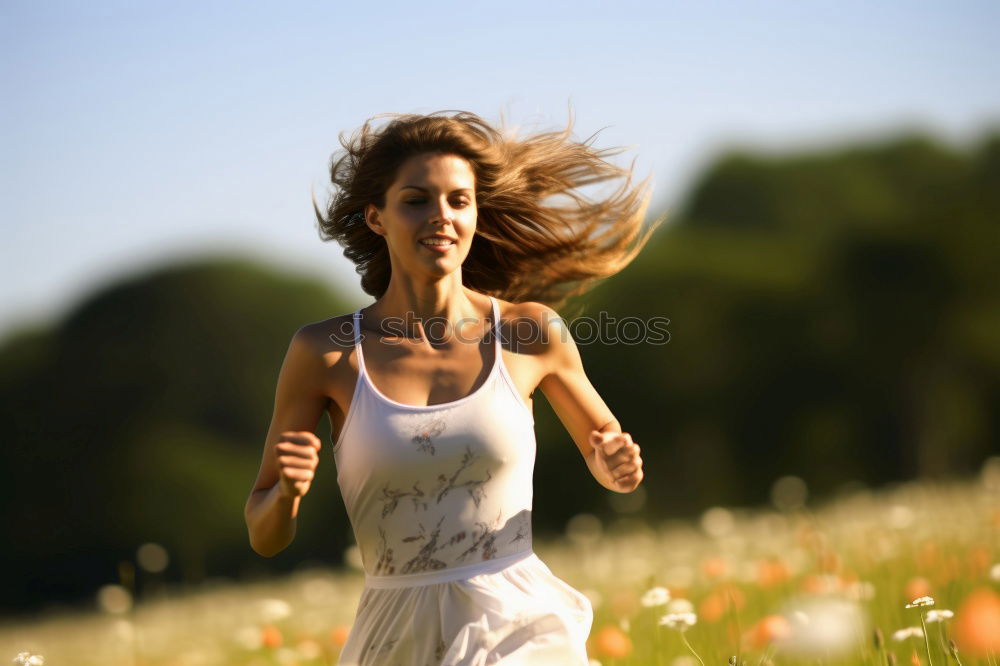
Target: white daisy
[[920, 602], [938, 615], [655, 596], [679, 621], [909, 632]]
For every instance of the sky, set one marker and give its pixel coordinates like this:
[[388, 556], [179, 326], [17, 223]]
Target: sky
[[134, 134]]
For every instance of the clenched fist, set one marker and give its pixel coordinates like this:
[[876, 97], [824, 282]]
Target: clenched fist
[[617, 460], [298, 455]]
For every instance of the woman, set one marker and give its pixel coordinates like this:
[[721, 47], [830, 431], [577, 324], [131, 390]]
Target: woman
[[451, 226]]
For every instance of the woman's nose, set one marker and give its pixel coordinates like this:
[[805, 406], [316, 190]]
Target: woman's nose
[[442, 213]]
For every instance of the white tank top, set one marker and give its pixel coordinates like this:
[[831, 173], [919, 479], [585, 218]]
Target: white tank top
[[437, 492]]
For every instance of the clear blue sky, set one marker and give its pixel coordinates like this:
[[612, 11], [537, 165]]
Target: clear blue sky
[[133, 132]]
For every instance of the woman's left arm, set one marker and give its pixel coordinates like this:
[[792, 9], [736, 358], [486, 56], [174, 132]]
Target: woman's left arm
[[611, 455]]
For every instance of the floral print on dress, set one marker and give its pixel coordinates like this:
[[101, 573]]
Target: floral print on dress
[[439, 650], [390, 498], [474, 486], [383, 647], [484, 540], [521, 534], [424, 559], [425, 432], [384, 553]]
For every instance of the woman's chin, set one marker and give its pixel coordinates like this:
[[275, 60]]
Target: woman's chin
[[441, 266], [450, 260]]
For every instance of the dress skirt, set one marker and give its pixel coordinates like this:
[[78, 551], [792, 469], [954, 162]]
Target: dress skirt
[[511, 611]]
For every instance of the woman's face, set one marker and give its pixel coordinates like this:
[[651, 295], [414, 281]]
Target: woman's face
[[433, 195]]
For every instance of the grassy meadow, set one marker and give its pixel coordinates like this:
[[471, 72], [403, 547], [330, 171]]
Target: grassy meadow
[[789, 584]]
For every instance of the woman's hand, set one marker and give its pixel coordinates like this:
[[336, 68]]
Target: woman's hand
[[616, 458], [298, 455]]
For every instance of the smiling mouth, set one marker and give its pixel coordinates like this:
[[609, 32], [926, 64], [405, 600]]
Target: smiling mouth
[[437, 245]]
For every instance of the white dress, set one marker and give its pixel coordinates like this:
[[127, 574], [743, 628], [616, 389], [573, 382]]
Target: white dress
[[439, 498]]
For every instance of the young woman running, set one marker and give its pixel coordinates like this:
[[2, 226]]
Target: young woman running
[[454, 231]]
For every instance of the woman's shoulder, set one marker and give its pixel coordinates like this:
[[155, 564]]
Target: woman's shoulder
[[528, 325], [332, 336], [527, 309], [533, 312]]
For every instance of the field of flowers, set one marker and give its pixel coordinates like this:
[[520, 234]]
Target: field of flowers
[[903, 575]]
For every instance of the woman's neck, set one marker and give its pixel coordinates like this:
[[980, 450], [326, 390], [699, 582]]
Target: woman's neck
[[431, 311]]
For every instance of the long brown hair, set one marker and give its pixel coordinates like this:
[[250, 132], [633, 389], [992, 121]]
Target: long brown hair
[[525, 248]]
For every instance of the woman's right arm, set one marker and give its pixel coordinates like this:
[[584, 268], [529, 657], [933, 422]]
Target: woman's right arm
[[299, 402]]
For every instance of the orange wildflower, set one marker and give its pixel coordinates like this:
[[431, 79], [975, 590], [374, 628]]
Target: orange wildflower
[[338, 635], [270, 636], [771, 572], [916, 588], [977, 623], [610, 641], [769, 629], [712, 607], [714, 567], [820, 584]]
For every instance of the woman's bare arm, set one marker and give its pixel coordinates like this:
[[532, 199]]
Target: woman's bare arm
[[273, 505], [611, 456]]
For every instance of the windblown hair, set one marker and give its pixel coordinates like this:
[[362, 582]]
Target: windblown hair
[[525, 247]]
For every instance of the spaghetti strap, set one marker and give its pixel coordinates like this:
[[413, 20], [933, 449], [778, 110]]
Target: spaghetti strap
[[495, 327], [357, 342]]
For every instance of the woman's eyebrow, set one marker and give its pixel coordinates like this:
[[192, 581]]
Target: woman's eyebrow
[[424, 189]]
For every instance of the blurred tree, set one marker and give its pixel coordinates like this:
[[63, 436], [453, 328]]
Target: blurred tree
[[141, 417], [833, 315]]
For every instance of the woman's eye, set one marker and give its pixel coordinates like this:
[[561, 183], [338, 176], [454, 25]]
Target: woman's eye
[[417, 202]]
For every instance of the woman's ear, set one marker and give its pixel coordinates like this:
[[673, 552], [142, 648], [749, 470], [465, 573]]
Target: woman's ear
[[374, 220]]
